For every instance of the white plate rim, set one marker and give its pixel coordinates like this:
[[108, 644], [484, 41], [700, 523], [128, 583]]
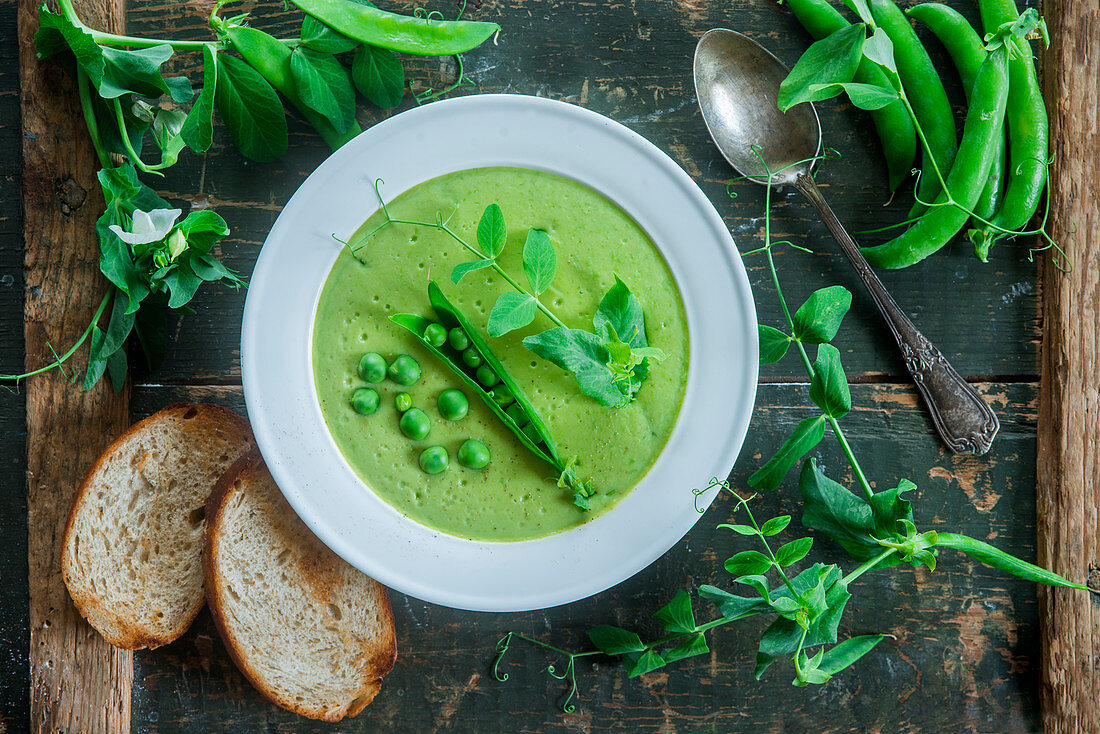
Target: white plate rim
[[470, 132]]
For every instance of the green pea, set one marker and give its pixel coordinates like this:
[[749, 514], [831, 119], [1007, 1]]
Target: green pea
[[405, 370], [502, 395], [471, 357], [364, 401], [486, 376], [415, 424], [457, 339], [453, 404], [517, 414], [402, 401], [531, 433], [435, 334], [473, 454], [434, 459], [372, 367]]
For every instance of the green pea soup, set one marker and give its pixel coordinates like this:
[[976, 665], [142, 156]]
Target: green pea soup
[[516, 496]]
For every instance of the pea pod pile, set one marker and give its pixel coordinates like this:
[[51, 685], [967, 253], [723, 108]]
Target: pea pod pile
[[997, 172], [466, 352]]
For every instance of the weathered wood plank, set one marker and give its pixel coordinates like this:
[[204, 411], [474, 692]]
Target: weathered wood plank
[[965, 658], [637, 69], [1069, 460], [79, 683]]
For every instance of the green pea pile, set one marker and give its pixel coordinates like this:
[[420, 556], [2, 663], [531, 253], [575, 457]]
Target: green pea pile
[[414, 423]]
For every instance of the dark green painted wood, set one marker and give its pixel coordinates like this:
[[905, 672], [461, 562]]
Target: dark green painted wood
[[632, 62], [964, 659]]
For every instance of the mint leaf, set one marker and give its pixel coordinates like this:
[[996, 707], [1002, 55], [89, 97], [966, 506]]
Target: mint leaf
[[807, 434], [773, 344], [615, 640], [379, 76], [818, 319], [324, 86], [491, 232], [833, 59], [829, 385], [677, 616], [540, 262], [511, 311]]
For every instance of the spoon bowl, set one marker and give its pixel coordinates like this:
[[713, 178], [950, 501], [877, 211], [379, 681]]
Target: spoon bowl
[[737, 85]]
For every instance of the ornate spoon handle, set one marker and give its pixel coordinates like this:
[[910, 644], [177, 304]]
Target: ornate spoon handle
[[963, 419]]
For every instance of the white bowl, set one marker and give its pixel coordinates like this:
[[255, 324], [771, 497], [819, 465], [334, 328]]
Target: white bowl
[[472, 132]]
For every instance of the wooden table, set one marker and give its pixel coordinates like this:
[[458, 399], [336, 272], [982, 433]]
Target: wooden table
[[966, 653]]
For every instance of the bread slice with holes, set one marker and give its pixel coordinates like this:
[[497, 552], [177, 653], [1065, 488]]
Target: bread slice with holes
[[132, 554], [313, 634]]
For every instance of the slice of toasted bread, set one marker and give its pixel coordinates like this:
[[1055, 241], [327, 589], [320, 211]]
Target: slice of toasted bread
[[132, 556], [313, 634]]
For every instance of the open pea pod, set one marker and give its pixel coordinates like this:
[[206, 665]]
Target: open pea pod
[[544, 448]]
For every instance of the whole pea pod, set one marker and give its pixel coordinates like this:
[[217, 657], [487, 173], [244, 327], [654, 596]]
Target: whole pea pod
[[966, 49], [403, 33], [984, 126], [269, 56], [998, 559], [926, 95], [1028, 133], [895, 129]]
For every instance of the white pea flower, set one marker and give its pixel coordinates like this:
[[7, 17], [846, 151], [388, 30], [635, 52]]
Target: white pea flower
[[148, 226], [177, 243]]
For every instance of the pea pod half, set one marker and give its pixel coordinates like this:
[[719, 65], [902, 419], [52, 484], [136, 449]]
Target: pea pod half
[[269, 56], [404, 33], [991, 556], [532, 432], [968, 52], [895, 129], [1028, 133], [926, 95], [984, 124]]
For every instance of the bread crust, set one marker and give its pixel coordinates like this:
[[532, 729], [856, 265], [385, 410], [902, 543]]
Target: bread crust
[[382, 658], [123, 633]]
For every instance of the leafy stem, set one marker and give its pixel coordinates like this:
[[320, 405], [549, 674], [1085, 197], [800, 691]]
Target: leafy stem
[[59, 361], [114, 39], [84, 89]]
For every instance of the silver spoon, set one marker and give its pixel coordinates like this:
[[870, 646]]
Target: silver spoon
[[737, 84]]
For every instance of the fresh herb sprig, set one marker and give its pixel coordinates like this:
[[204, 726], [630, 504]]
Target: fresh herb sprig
[[877, 529], [828, 69], [153, 263], [610, 362]]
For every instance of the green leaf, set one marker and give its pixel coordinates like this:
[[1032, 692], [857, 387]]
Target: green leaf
[[880, 50], [863, 96], [740, 529], [540, 262], [117, 366], [202, 228], [731, 606], [97, 360], [833, 59], [615, 640], [783, 635], [250, 109], [748, 563], [793, 552], [691, 646], [379, 76], [182, 284], [491, 232], [461, 270], [677, 616], [860, 8], [319, 37], [138, 71], [209, 269], [785, 605], [806, 435], [831, 509], [776, 525], [511, 311], [818, 320], [840, 656], [758, 582], [151, 327], [581, 353], [829, 385], [773, 344], [621, 310], [324, 85], [198, 128], [647, 662]]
